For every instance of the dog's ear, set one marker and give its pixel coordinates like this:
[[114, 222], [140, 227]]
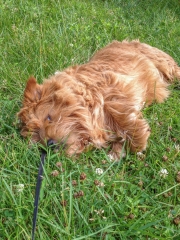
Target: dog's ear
[[32, 91]]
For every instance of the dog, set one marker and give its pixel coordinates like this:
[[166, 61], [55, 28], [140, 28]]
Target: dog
[[99, 103]]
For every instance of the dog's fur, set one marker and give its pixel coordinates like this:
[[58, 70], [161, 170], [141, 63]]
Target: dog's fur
[[99, 102]]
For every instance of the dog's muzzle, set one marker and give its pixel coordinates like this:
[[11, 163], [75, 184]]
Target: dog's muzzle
[[51, 143], [54, 145]]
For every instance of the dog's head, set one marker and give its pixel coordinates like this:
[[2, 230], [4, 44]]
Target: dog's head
[[56, 113]]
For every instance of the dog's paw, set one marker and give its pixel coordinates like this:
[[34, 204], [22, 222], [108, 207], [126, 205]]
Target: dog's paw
[[113, 156]]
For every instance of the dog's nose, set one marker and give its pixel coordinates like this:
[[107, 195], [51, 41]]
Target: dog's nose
[[51, 142]]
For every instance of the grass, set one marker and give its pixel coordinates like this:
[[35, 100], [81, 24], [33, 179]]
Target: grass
[[131, 199]]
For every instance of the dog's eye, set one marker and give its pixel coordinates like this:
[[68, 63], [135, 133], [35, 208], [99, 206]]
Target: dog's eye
[[49, 118]]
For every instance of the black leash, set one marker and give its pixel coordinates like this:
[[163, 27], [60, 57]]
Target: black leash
[[38, 187]]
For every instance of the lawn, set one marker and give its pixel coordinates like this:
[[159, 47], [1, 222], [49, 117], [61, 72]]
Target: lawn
[[135, 198]]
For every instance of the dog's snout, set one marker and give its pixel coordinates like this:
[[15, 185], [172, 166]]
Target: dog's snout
[[51, 142]]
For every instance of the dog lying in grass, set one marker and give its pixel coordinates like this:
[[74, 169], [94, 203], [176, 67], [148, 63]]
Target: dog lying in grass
[[99, 103]]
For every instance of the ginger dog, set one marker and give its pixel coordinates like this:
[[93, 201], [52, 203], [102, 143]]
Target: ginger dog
[[99, 102]]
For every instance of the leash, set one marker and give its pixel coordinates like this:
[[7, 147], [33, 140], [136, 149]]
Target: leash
[[37, 192]]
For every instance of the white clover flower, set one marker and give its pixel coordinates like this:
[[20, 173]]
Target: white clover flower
[[99, 171], [177, 147], [19, 187], [111, 158], [99, 212], [101, 184], [163, 173], [139, 154]]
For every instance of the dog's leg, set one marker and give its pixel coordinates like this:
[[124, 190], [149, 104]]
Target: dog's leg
[[137, 135], [163, 62], [127, 127]]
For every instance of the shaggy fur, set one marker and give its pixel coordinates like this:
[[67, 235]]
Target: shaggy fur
[[99, 102]]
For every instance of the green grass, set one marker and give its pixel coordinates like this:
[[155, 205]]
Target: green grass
[[136, 202]]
